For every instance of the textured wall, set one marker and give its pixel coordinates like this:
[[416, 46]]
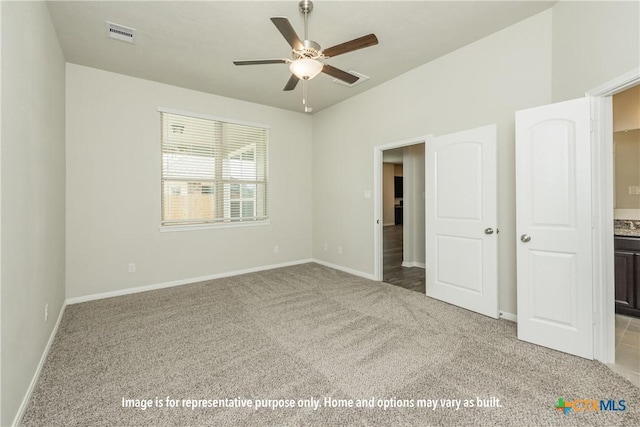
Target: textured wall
[[113, 187], [593, 42], [480, 84], [33, 193]]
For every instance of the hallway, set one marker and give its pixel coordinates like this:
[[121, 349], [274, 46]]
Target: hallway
[[412, 278]]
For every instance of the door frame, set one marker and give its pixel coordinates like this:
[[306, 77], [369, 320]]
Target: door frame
[[377, 198], [602, 211]]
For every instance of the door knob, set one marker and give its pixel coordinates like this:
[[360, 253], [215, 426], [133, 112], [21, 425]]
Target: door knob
[[525, 238], [488, 230]]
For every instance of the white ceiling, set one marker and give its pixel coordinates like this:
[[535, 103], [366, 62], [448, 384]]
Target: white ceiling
[[192, 44]]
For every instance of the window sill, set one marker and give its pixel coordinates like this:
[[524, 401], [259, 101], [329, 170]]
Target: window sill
[[174, 228]]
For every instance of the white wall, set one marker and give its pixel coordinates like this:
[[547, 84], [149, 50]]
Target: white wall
[[113, 187], [482, 83], [593, 42], [413, 241], [33, 194]]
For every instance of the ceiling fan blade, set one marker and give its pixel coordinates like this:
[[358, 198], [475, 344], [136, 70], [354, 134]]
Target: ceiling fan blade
[[291, 84], [261, 61], [350, 46], [284, 26], [339, 74]]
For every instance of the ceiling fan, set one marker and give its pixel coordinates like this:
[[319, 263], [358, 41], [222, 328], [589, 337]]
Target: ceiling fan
[[307, 54]]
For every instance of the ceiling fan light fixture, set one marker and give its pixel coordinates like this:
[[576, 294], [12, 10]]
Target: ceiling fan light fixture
[[305, 68]]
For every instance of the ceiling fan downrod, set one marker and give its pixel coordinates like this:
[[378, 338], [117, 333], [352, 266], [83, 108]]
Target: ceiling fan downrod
[[306, 6]]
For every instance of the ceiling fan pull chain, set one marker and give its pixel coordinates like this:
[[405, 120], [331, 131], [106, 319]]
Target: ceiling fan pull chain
[[304, 92]]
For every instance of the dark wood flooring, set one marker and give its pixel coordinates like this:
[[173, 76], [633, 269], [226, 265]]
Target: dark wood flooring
[[393, 272]]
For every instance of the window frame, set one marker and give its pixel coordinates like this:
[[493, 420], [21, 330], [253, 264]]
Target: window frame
[[213, 225]]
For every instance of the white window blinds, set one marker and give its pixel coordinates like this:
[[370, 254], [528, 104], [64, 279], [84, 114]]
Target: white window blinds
[[212, 171]]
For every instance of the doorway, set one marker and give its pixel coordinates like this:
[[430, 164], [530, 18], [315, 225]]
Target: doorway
[[626, 214], [378, 205], [457, 198], [403, 216], [603, 212]]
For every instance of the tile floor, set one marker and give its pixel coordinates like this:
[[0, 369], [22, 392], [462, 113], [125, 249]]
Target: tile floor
[[412, 278], [627, 348]]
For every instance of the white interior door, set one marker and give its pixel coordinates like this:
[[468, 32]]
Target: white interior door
[[553, 205], [462, 241]]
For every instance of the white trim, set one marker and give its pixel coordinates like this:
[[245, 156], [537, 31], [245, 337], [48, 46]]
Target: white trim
[[617, 85], [181, 282], [210, 117], [508, 316], [602, 230], [377, 198], [1, 382], [377, 214], [195, 227], [36, 375], [388, 224], [413, 264], [404, 143], [603, 213], [345, 269]]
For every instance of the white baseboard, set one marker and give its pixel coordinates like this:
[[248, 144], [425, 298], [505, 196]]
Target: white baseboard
[[388, 224], [413, 264], [180, 282], [36, 375], [508, 316], [345, 269]]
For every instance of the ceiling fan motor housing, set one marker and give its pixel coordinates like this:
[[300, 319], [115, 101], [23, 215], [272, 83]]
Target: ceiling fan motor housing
[[310, 49]]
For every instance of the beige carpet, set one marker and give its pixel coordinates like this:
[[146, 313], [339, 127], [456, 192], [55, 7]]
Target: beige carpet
[[307, 332]]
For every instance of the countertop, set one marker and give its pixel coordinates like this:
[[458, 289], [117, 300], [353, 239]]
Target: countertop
[[626, 228]]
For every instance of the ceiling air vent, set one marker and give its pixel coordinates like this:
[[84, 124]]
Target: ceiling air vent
[[120, 32], [361, 79]]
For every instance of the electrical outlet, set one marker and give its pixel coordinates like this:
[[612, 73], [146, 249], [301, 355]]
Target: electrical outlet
[[634, 189], [132, 267], [46, 312], [276, 249], [340, 250]]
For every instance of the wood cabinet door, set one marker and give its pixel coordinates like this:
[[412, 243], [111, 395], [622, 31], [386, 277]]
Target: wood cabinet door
[[625, 278], [636, 284]]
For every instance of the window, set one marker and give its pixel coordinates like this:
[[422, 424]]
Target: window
[[213, 172]]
